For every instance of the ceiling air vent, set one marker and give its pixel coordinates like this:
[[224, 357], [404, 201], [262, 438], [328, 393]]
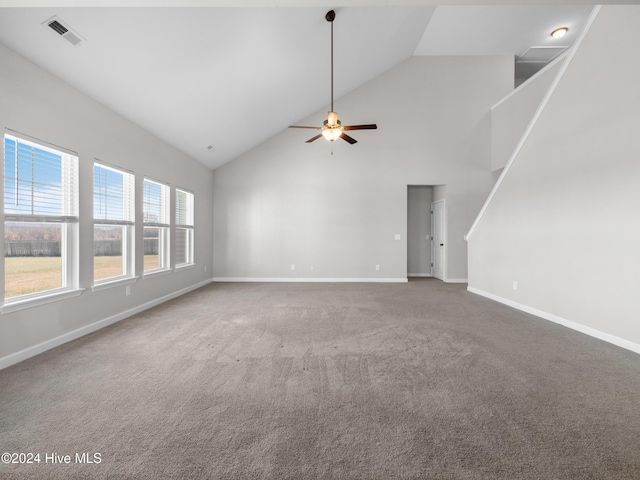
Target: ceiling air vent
[[63, 30], [58, 27]]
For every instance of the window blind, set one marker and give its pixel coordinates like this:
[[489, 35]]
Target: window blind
[[184, 208], [40, 182], [113, 195], [155, 203]]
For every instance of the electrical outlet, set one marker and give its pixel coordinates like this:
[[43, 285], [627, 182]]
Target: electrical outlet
[[205, 268], [515, 285], [127, 290], [397, 236], [312, 267], [293, 267], [377, 267]]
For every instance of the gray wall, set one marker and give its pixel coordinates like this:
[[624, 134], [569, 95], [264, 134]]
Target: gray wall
[[564, 222], [287, 202], [37, 104]]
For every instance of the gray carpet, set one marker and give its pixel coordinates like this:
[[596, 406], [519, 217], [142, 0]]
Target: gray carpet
[[343, 381]]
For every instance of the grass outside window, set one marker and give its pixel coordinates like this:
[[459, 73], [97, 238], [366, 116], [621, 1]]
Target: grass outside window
[[25, 275]]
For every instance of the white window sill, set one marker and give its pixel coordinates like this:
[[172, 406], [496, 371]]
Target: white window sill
[[14, 306], [185, 266], [156, 273], [113, 283]]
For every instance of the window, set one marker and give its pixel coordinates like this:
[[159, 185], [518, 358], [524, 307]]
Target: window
[[184, 227], [155, 207], [113, 223], [40, 219]]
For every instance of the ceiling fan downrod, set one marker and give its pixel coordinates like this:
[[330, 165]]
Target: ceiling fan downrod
[[330, 16]]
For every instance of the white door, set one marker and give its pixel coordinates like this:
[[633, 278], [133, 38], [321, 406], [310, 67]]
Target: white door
[[437, 232]]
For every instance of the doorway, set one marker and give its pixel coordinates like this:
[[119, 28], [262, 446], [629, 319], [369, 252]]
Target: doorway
[[419, 259]]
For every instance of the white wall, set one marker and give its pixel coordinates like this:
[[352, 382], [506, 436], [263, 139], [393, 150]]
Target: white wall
[[565, 220], [37, 104], [288, 202], [511, 116]]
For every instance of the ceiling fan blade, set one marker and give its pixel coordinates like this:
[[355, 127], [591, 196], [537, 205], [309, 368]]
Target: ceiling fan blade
[[313, 139], [303, 126], [347, 138], [371, 126]]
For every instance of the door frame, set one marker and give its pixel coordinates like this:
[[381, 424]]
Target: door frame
[[443, 235]]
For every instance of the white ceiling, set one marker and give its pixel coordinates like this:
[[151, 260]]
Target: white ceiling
[[233, 77]]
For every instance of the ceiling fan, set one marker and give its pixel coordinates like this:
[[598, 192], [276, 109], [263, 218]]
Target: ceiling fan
[[332, 128]]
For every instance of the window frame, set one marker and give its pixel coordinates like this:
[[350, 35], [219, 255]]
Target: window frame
[[188, 226], [162, 224], [126, 222], [67, 217]]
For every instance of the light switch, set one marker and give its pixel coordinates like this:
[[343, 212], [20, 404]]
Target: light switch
[[397, 236]]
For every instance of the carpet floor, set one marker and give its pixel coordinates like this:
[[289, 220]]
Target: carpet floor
[[422, 380]]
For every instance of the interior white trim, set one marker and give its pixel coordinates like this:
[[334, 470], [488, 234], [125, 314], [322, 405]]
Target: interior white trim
[[607, 337], [536, 116], [156, 273], [29, 352], [456, 280], [113, 283], [309, 280], [38, 299], [419, 275]]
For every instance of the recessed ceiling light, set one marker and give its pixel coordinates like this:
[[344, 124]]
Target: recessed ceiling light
[[559, 32]]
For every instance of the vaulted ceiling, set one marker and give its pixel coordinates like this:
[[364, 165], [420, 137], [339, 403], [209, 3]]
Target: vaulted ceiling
[[230, 74]]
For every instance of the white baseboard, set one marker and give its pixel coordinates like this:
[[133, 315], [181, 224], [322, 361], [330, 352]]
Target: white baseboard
[[620, 342], [310, 280], [332, 280], [29, 352]]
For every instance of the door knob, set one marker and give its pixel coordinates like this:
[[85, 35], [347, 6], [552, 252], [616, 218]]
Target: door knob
[[442, 244]]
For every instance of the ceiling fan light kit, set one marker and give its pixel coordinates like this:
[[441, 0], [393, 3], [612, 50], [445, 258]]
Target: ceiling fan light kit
[[332, 128], [332, 131]]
